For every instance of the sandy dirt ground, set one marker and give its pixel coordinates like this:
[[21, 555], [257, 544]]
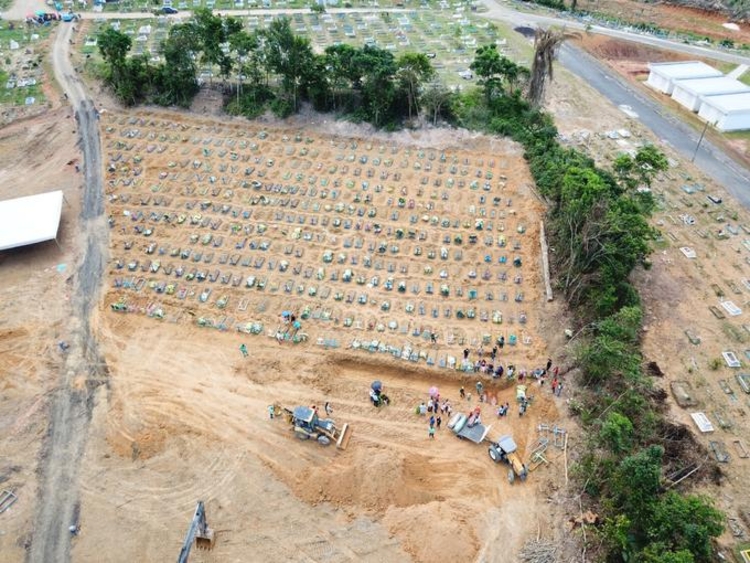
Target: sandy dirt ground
[[177, 412], [671, 17], [36, 156], [180, 422]]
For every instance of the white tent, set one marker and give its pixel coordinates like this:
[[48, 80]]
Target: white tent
[[689, 92], [31, 219], [730, 112], [663, 75]]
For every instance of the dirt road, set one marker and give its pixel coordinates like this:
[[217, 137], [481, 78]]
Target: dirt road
[[83, 371]]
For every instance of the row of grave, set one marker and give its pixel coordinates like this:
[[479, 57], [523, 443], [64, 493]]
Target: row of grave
[[269, 142], [297, 211], [423, 31], [161, 311], [392, 295], [344, 259], [367, 205]]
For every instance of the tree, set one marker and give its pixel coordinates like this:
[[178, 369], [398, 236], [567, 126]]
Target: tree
[[413, 70], [487, 66], [114, 47], [245, 46], [213, 33], [635, 485], [342, 70], [546, 44], [633, 172], [290, 56], [498, 74], [377, 68], [436, 97], [177, 82], [617, 433], [686, 523]]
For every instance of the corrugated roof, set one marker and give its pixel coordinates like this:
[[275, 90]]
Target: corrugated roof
[[712, 86], [729, 103], [684, 69]]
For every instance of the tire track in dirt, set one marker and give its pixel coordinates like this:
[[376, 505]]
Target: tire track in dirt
[[83, 371]]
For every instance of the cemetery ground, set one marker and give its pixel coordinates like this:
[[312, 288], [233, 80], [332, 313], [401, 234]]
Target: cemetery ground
[[183, 415]]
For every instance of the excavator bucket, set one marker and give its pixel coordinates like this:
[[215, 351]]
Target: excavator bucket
[[204, 539], [344, 437]]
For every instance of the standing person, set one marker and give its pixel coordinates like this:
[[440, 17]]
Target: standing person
[[556, 371], [554, 385], [494, 353], [466, 353], [559, 388], [430, 405], [480, 387], [433, 338], [462, 393], [271, 411], [501, 342], [431, 432], [243, 349], [422, 408], [549, 364], [432, 420], [438, 421], [328, 409]]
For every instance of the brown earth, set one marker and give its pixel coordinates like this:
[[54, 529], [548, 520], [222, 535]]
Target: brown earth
[[671, 17]]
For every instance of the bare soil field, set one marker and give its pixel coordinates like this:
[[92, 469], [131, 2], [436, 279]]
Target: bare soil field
[[670, 17], [35, 156]]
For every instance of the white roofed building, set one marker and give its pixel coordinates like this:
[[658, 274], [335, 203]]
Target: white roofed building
[[662, 76], [690, 93], [728, 112]]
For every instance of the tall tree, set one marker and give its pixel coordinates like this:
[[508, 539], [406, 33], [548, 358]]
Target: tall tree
[[377, 68], [114, 47], [246, 46], [177, 78], [290, 56], [414, 69], [213, 32], [436, 97], [342, 71], [547, 42]]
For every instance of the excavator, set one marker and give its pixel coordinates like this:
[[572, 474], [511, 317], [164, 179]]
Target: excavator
[[198, 532]]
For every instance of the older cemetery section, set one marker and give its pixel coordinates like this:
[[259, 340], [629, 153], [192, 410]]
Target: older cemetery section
[[448, 36], [374, 245]]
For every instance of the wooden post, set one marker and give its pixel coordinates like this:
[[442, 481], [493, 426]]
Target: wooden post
[[545, 261]]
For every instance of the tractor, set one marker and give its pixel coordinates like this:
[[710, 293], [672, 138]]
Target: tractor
[[308, 425], [505, 449]]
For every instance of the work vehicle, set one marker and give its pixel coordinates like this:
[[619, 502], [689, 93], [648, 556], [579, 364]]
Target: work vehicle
[[308, 425], [469, 426], [505, 450], [198, 532]]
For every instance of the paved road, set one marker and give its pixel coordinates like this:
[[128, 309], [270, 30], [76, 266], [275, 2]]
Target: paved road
[[670, 130], [84, 371]]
